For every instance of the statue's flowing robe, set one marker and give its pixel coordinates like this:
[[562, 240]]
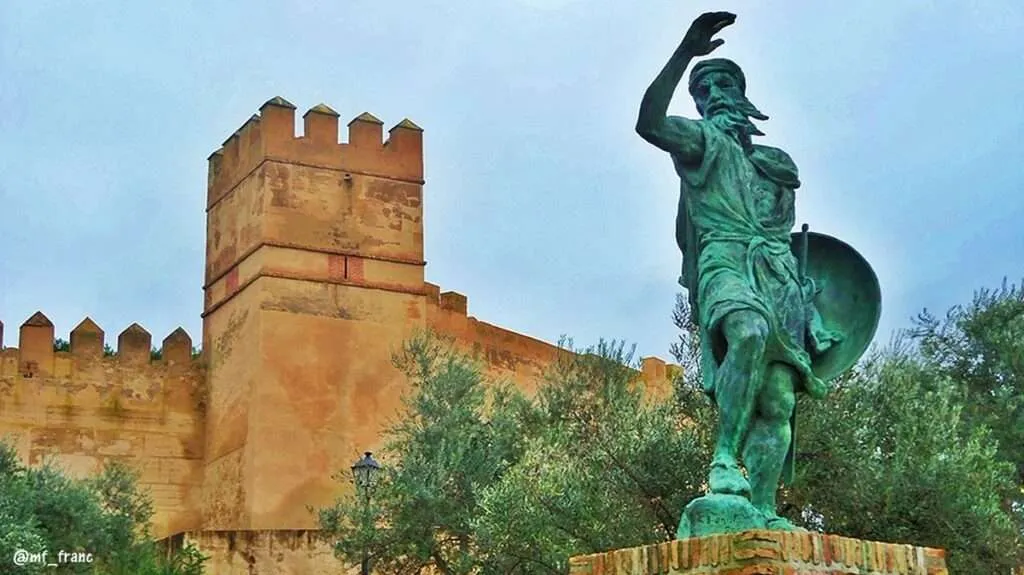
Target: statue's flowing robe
[[736, 212]]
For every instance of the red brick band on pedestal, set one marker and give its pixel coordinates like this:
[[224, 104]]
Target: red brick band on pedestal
[[765, 553]]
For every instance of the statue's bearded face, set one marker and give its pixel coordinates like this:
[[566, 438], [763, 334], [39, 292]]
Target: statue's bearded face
[[716, 92], [721, 101]]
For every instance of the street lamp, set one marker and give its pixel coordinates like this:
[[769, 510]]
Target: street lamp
[[364, 473]]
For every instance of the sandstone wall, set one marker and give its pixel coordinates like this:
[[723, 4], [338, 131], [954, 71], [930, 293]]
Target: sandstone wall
[[514, 356], [264, 552], [82, 408], [506, 354]]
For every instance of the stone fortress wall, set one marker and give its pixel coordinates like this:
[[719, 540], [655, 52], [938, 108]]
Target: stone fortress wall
[[314, 277], [81, 408]]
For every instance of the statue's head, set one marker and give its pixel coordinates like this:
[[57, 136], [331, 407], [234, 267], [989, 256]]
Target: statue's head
[[719, 88]]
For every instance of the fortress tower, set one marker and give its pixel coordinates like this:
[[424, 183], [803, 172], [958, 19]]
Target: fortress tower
[[314, 275]]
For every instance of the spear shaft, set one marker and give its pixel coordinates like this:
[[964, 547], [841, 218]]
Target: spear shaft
[[789, 465], [803, 253]]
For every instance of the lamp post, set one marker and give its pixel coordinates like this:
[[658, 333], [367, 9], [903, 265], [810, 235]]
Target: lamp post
[[364, 473]]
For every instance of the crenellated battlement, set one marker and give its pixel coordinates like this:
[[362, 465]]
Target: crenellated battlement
[[270, 135], [451, 301], [36, 354]]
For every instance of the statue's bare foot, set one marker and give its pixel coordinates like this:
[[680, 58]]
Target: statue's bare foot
[[776, 523], [727, 479]]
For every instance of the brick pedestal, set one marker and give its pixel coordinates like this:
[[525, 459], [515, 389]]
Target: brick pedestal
[[765, 553]]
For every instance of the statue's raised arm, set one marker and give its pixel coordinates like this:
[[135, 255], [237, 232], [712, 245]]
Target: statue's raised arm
[[679, 136]]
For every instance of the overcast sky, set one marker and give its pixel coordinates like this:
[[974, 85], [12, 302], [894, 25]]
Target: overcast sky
[[542, 205]]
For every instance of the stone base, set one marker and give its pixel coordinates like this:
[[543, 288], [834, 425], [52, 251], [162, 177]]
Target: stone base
[[714, 514], [765, 553]]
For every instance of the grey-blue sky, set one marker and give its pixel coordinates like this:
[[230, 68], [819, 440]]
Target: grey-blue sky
[[541, 203]]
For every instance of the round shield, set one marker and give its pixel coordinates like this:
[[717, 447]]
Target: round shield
[[849, 300]]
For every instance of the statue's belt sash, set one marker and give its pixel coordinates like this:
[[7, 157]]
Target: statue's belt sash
[[773, 252]]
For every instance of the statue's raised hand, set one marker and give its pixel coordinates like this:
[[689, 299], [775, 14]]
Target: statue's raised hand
[[698, 40]]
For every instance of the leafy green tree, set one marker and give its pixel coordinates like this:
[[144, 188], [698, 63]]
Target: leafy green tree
[[480, 479], [888, 456], [608, 467], [455, 440], [980, 347], [41, 509]]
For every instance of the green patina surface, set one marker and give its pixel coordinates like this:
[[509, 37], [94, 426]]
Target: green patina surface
[[779, 313]]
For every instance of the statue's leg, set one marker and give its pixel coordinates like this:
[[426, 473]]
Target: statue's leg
[[768, 440], [736, 385]]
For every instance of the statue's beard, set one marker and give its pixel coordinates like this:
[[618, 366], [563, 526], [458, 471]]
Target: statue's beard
[[733, 118]]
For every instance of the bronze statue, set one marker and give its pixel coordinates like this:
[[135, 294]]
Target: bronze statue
[[771, 324]]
